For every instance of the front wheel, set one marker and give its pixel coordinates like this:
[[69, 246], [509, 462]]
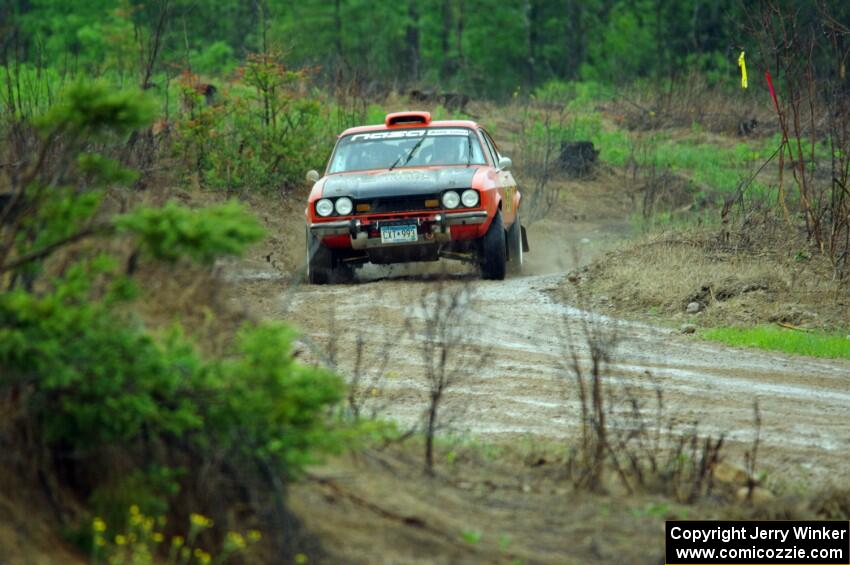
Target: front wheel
[[492, 251], [323, 267], [319, 261], [514, 236]]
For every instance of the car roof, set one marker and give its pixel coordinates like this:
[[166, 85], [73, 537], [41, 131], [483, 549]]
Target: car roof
[[434, 124]]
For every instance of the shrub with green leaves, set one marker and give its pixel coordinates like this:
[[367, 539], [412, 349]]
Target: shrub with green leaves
[[175, 231], [262, 132], [266, 404], [87, 373], [93, 377], [93, 107]]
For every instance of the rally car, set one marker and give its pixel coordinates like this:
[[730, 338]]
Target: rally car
[[412, 189]]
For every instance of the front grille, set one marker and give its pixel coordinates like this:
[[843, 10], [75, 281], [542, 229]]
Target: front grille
[[397, 203]]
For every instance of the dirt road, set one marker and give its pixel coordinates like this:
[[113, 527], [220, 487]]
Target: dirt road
[[525, 390]]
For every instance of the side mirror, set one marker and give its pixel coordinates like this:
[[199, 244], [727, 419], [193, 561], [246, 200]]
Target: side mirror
[[312, 175], [505, 163]]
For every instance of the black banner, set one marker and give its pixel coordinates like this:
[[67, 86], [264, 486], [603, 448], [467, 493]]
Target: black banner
[[692, 542]]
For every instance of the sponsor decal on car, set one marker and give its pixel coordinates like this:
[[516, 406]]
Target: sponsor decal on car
[[407, 133]]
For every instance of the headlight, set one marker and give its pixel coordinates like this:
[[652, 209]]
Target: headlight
[[344, 206], [451, 199], [324, 207], [469, 198]]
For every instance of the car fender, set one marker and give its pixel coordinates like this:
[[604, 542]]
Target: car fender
[[315, 194], [486, 181]]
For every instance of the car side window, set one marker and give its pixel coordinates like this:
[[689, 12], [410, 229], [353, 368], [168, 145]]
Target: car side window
[[490, 149], [494, 146]]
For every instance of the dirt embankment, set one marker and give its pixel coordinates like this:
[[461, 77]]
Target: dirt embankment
[[702, 278]]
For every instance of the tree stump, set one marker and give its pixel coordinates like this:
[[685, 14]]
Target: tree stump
[[577, 158]]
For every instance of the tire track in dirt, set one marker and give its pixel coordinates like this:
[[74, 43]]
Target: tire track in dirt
[[526, 388]]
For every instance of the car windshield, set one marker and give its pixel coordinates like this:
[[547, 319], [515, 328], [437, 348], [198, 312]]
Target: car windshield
[[415, 147]]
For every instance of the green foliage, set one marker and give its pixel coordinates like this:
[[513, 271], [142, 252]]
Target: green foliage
[[796, 342], [216, 59], [261, 133], [204, 234], [29, 90], [442, 43], [150, 489], [94, 377], [102, 170], [471, 537], [268, 405], [93, 107], [627, 48], [87, 371]]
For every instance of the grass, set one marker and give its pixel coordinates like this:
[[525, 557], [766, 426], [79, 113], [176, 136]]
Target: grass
[[772, 338]]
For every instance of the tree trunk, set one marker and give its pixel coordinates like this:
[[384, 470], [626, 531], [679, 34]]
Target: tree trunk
[[459, 28], [338, 28], [445, 32], [531, 10], [574, 34], [412, 37]]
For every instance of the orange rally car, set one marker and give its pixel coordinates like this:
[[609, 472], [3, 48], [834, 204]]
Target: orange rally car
[[413, 189]]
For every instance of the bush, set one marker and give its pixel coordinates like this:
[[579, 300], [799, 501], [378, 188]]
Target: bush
[[262, 132], [266, 405], [90, 379], [93, 377], [175, 231], [217, 58]]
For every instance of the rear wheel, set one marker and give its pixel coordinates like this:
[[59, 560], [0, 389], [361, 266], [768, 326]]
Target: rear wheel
[[514, 236], [492, 251]]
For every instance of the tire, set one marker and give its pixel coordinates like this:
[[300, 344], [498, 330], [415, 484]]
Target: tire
[[319, 261], [492, 252], [515, 253]]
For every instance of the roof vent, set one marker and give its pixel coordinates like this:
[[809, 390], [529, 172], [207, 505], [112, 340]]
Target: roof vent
[[408, 119]]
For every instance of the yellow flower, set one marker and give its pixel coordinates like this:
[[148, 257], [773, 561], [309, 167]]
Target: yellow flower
[[99, 541], [120, 540], [157, 537], [200, 520], [177, 541], [254, 535], [98, 525], [202, 556], [300, 558], [236, 540], [148, 524], [134, 510]]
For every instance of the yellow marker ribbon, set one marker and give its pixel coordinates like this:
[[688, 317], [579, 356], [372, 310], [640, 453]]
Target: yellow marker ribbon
[[743, 64]]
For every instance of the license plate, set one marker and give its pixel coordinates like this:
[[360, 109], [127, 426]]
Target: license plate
[[398, 234]]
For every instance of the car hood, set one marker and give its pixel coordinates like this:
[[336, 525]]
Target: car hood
[[398, 182]]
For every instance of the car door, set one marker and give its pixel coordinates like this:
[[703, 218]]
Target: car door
[[506, 182]]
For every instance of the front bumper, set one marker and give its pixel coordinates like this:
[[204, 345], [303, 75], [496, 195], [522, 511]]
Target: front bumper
[[434, 227]]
